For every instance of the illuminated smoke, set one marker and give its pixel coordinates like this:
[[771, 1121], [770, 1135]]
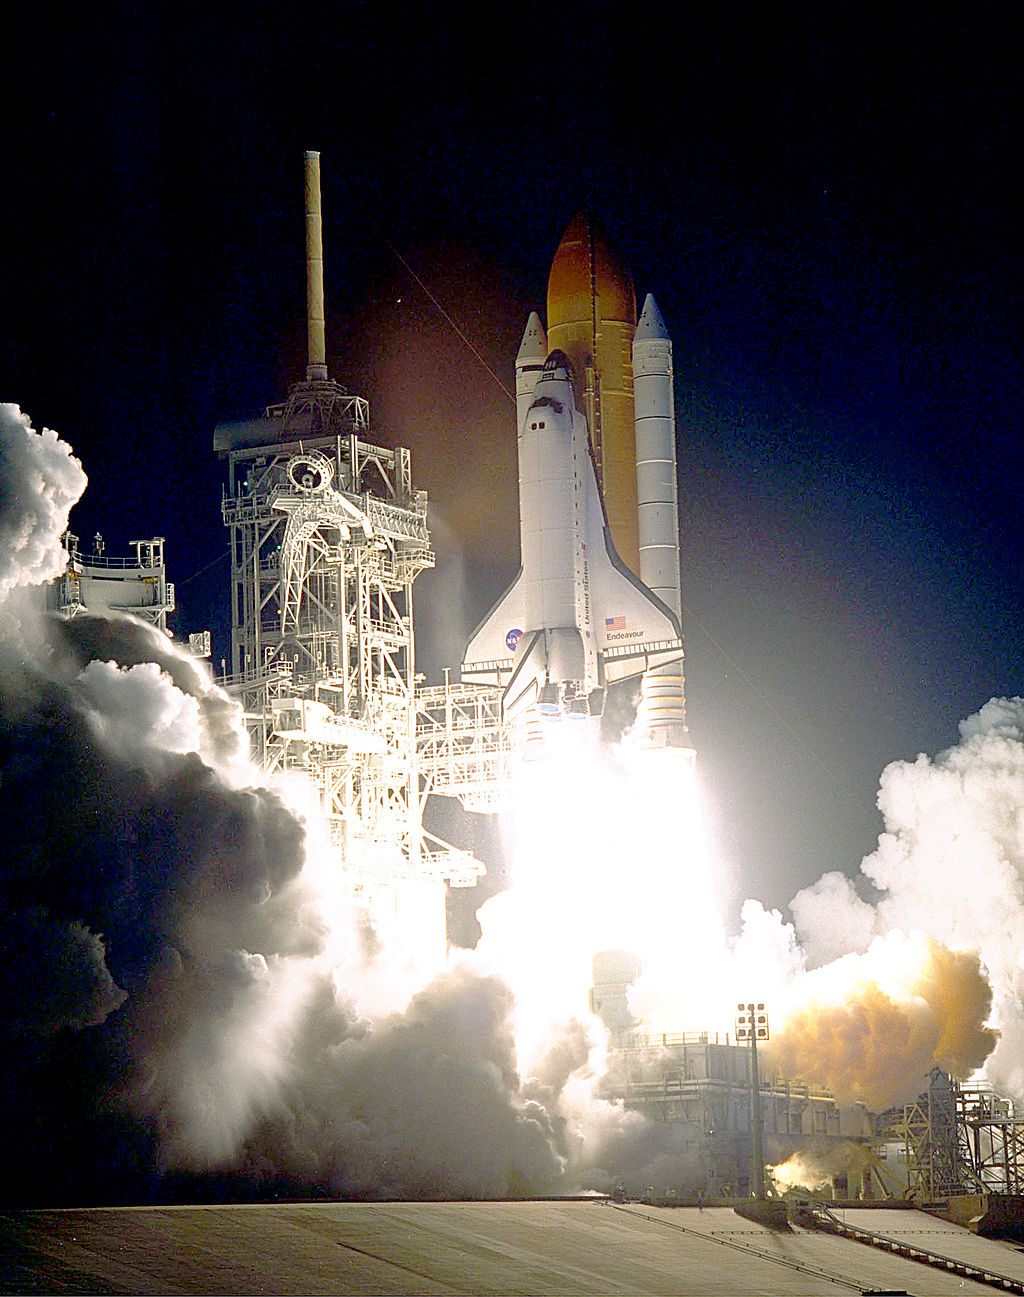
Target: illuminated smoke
[[872, 1026], [950, 864], [39, 482], [817, 1166], [188, 989]]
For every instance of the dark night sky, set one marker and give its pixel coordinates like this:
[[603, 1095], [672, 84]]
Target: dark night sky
[[826, 214]]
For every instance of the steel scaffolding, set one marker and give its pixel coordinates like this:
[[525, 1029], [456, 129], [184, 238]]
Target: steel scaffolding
[[327, 537], [990, 1138], [465, 750], [136, 586], [958, 1138]]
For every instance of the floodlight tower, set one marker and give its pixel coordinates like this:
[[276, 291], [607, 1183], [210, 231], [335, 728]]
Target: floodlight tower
[[752, 1025]]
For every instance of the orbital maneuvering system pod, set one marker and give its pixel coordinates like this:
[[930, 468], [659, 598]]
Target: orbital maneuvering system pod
[[597, 475]]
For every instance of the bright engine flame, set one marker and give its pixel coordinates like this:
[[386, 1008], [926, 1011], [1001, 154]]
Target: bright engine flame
[[609, 853]]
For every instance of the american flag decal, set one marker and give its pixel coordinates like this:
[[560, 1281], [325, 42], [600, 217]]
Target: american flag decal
[[615, 623]]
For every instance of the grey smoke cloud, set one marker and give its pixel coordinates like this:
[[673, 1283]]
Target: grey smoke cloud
[[160, 883], [57, 975], [170, 1006], [423, 1103]]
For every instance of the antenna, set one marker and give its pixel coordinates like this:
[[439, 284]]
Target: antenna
[[316, 357]]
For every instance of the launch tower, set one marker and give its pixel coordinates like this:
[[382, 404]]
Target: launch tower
[[328, 535]]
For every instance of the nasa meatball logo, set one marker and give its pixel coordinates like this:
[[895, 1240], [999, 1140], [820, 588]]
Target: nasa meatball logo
[[512, 639]]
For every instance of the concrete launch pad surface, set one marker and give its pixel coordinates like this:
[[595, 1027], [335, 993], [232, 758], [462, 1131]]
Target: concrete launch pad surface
[[920, 1229], [568, 1247]]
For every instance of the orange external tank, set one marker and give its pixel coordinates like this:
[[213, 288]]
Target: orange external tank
[[592, 318]]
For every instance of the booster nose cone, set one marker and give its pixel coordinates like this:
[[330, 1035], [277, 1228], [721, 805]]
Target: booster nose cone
[[651, 327], [534, 346]]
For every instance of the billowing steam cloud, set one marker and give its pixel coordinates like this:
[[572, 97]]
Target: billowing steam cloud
[[186, 992], [39, 482]]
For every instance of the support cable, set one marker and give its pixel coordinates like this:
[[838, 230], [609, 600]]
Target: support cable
[[447, 317]]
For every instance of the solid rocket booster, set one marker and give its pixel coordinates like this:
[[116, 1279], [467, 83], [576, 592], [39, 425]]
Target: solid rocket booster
[[657, 493], [662, 711]]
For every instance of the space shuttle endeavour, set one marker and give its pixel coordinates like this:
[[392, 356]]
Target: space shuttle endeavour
[[596, 452]]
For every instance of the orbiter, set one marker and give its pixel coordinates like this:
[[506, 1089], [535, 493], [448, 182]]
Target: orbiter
[[597, 470]]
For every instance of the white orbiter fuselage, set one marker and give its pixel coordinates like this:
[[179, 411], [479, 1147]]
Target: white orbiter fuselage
[[575, 619]]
